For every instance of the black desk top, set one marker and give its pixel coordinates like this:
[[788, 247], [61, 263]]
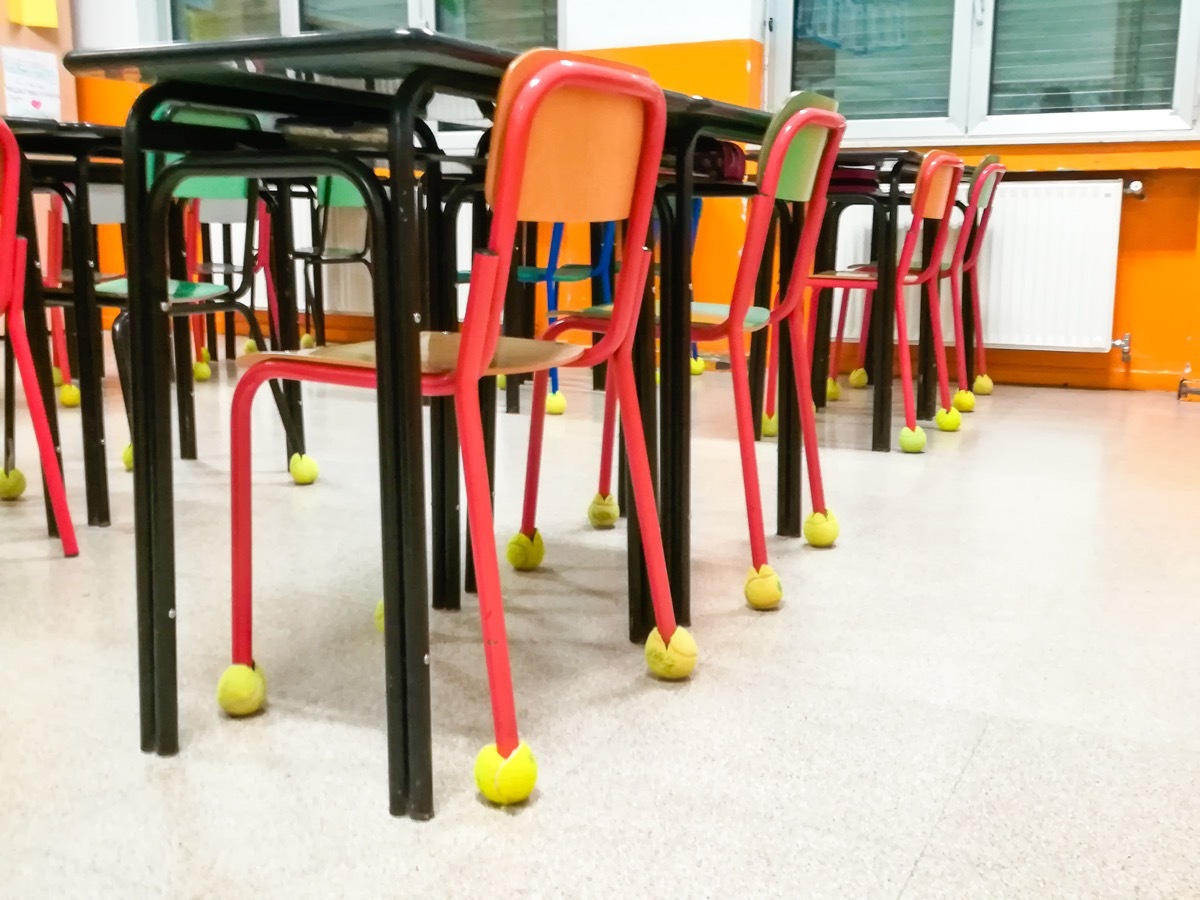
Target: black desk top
[[47, 137], [376, 55]]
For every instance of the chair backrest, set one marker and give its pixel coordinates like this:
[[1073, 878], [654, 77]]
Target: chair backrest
[[798, 154], [804, 155], [209, 187], [575, 140], [982, 191], [10, 185], [933, 198]]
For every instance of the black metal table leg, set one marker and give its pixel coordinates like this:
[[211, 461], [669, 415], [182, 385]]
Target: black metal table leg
[[675, 344], [87, 316], [967, 298], [285, 298], [883, 323], [788, 485], [826, 250], [926, 374], [596, 239]]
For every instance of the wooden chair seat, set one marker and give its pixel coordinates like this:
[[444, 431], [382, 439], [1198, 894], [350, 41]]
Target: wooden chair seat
[[439, 355]]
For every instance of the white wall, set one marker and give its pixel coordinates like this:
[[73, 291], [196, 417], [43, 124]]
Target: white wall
[[593, 25], [109, 24]]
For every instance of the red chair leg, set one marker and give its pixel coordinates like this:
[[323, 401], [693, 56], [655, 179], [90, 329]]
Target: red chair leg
[[865, 329], [906, 379], [948, 417], [821, 527], [770, 422], [51, 469], [603, 511], [525, 550], [835, 358], [505, 771], [763, 589], [670, 650]]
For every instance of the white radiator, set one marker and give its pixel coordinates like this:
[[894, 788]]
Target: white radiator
[[1048, 270]]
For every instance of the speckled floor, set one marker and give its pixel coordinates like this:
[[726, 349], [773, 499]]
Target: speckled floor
[[987, 690]]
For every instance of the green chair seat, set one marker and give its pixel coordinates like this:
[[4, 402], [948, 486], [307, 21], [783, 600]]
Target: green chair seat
[[180, 291], [702, 314], [571, 273]]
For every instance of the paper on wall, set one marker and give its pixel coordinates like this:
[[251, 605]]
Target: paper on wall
[[34, 13], [31, 87]]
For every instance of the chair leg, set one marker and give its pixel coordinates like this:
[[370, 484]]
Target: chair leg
[[301, 466], [525, 550], [821, 527], [58, 341], [670, 651], [964, 399], [983, 381], [505, 771], [604, 510], [835, 358], [763, 588], [51, 470], [242, 688], [912, 436], [864, 332], [770, 422], [556, 403], [948, 417]]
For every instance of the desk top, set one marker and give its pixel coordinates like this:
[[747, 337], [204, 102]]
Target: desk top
[[368, 56], [72, 139]]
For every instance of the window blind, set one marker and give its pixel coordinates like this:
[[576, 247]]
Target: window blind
[[1082, 55]]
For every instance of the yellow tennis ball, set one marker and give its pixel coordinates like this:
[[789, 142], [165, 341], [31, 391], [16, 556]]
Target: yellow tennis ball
[[525, 553], [697, 366], [205, 355], [674, 661], [201, 371], [821, 529], [506, 781], [307, 341], [859, 379], [12, 484], [68, 396], [833, 390], [303, 468], [603, 512], [983, 384], [912, 440], [763, 589], [379, 617], [249, 347], [242, 690], [127, 457], [502, 382], [964, 401], [770, 425], [556, 404], [948, 419]]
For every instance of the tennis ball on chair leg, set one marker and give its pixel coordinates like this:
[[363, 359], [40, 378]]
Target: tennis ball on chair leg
[[674, 661], [833, 390], [525, 553], [303, 468], [770, 425], [821, 529], [12, 484], [506, 781], [68, 396], [983, 384], [201, 371], [127, 457], [502, 382], [249, 347], [912, 440], [556, 404], [603, 512], [242, 690], [307, 341], [859, 379], [948, 419], [964, 401], [763, 589], [205, 355], [697, 366]]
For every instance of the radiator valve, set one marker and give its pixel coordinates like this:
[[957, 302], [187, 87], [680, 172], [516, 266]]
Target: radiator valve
[[1125, 344]]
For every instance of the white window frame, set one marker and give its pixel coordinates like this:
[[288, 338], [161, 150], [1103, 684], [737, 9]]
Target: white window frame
[[968, 122]]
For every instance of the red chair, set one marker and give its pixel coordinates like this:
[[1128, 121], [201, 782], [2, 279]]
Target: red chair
[[964, 263], [13, 251], [612, 118], [933, 198], [798, 154]]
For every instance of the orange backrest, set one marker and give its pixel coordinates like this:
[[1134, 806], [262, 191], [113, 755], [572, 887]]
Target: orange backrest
[[936, 181], [582, 156]]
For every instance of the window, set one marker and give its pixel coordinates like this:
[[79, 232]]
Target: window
[[213, 20], [511, 24], [983, 70], [351, 15]]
